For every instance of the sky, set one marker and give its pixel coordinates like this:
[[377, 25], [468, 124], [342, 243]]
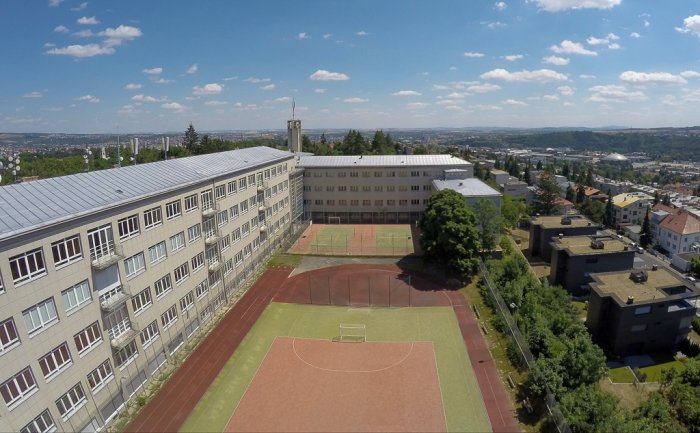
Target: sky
[[73, 66]]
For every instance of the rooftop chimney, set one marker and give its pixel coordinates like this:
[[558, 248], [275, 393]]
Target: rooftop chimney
[[630, 299]]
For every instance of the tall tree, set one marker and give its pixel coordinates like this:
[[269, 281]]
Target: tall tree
[[449, 233], [546, 194], [526, 173], [645, 236], [539, 165], [570, 194], [666, 200], [382, 144], [354, 144], [580, 193], [489, 222], [609, 212], [657, 198], [191, 140], [565, 170], [306, 144]]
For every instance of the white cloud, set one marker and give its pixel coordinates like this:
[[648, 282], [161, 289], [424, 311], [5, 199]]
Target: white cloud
[[562, 5], [82, 51], [416, 105], [301, 36], [87, 21], [323, 75], [568, 47], [327, 35], [133, 86], [362, 33], [87, 33], [514, 102], [54, 3], [614, 46], [208, 89], [144, 98], [586, 76], [256, 80], [452, 68], [406, 93], [49, 45], [689, 74], [162, 80], [566, 90], [486, 107], [88, 98], [121, 34], [568, 104], [602, 41], [61, 29], [440, 87], [174, 106], [283, 99], [615, 93], [634, 77], [34, 94], [483, 88], [355, 100], [268, 87], [493, 24], [193, 69], [215, 103], [320, 90], [550, 97], [80, 7], [153, 71], [635, 35], [513, 57], [556, 60], [690, 25], [473, 54], [501, 6], [540, 75], [647, 23], [230, 78]]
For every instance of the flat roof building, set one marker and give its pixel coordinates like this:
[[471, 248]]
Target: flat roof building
[[471, 189], [544, 228]]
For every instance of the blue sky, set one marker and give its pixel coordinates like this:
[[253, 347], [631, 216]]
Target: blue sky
[[152, 66]]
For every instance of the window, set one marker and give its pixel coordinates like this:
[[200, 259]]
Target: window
[[245, 228], [232, 187], [181, 273], [163, 286], [177, 242], [354, 202], [236, 235], [55, 361], [99, 377], [403, 202], [28, 266], [191, 203], [40, 316], [66, 251], [70, 402], [233, 211], [247, 250], [222, 218], [88, 338], [379, 202], [229, 266], [415, 187], [157, 253], [152, 218], [391, 202], [639, 328], [427, 188], [415, 173], [128, 227], [403, 188], [390, 188], [168, 318], [225, 243], [244, 206], [194, 232], [646, 309], [18, 388], [238, 258], [378, 188], [41, 424], [134, 265], [101, 241], [8, 335], [201, 289], [415, 201], [197, 262], [328, 203], [378, 174], [254, 222], [149, 334], [142, 300], [366, 188], [366, 202], [76, 296], [220, 192], [251, 179], [2, 288], [126, 355], [187, 301], [256, 244], [175, 343], [173, 209], [343, 202]]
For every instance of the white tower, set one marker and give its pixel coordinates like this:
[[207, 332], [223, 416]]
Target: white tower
[[294, 133]]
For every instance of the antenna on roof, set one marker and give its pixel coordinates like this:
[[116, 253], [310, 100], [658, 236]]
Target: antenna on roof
[[293, 107]]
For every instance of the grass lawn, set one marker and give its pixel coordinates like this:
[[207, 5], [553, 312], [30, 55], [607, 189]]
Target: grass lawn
[[334, 237], [393, 237], [694, 337], [621, 375], [464, 409], [284, 260], [653, 372]]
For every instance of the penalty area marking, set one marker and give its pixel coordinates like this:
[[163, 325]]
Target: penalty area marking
[[332, 370]]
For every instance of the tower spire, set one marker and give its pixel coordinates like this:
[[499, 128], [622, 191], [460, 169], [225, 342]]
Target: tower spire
[[293, 107]]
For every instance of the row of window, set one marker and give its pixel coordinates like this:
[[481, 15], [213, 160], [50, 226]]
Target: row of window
[[367, 188], [331, 202], [366, 173]]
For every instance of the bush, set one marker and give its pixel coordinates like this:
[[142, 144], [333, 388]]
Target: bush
[[696, 324], [498, 324]]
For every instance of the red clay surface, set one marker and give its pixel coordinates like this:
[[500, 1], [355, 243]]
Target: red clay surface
[[322, 386], [171, 406], [498, 406], [364, 286], [363, 241]]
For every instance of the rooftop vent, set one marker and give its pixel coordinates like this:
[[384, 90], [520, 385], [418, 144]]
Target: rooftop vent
[[639, 276], [561, 235], [630, 299], [654, 267], [566, 221], [597, 244]]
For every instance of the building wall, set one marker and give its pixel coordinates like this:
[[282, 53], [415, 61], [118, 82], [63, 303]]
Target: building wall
[[236, 262], [572, 271], [541, 238], [676, 243]]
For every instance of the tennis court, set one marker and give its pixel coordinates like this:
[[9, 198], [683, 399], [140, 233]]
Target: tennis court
[[358, 240]]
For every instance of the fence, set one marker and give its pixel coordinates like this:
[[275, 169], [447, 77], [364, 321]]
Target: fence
[[377, 290], [524, 352]]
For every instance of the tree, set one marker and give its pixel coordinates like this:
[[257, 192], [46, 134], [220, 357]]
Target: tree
[[546, 195], [449, 233], [666, 200], [511, 210], [489, 222], [382, 144], [609, 212], [566, 171], [539, 165], [353, 144], [657, 199], [191, 140], [695, 266], [593, 210], [580, 193], [588, 409], [306, 144], [570, 194], [526, 173], [420, 150], [645, 237]]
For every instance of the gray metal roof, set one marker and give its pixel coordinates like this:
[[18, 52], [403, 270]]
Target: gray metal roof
[[32, 205], [467, 187], [308, 161]]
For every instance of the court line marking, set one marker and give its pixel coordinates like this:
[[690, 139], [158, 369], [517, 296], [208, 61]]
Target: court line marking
[[332, 370]]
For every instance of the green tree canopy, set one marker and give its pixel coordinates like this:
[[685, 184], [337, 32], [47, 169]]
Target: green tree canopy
[[191, 140], [489, 222], [546, 194]]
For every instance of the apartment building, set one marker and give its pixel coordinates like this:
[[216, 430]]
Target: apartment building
[[105, 275], [471, 189], [677, 231], [373, 188], [575, 258], [633, 312], [544, 228], [629, 208]]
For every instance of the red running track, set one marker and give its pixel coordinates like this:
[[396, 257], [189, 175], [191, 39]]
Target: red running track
[[171, 406], [498, 406]]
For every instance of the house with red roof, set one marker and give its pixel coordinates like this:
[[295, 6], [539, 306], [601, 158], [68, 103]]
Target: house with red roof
[[678, 232]]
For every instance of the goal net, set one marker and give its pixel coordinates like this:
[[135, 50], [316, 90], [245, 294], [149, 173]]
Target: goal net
[[333, 220], [353, 332]]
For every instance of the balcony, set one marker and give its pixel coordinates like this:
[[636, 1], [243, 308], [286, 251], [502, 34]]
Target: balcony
[[262, 186], [112, 299], [209, 211], [262, 207], [214, 265], [263, 228], [211, 238], [105, 255], [122, 333]]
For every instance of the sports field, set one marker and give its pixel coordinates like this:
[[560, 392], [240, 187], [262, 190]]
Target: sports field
[[288, 355], [360, 240]]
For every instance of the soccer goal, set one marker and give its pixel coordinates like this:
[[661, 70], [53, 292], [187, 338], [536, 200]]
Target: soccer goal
[[353, 332], [333, 220]]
